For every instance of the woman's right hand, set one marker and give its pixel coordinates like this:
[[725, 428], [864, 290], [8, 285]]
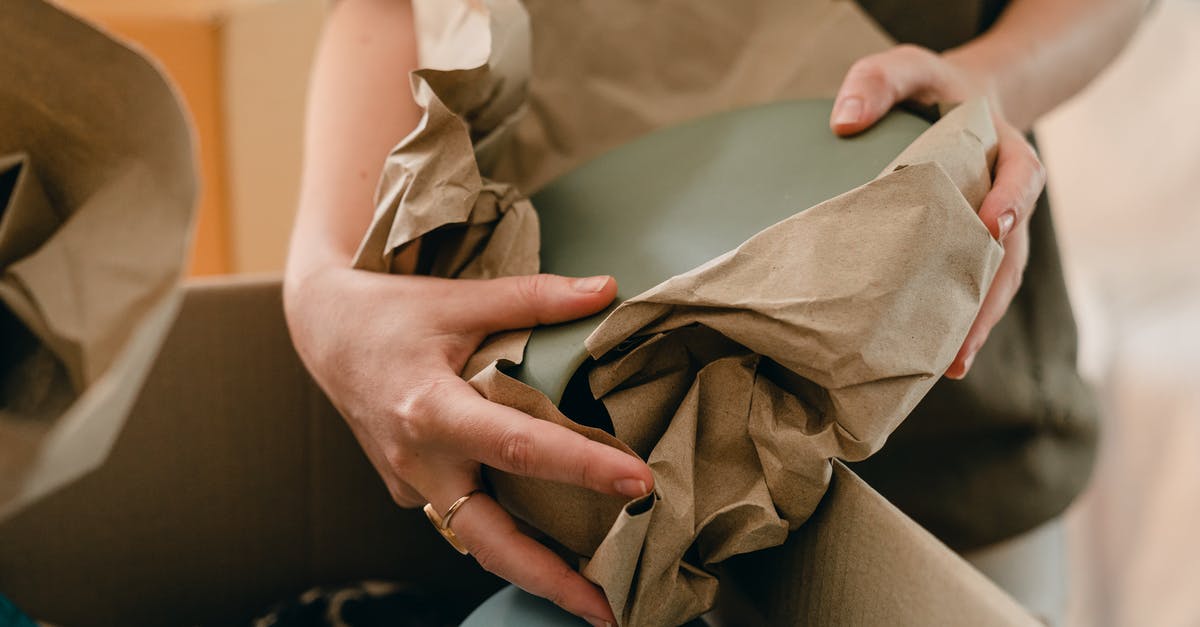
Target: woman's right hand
[[388, 350]]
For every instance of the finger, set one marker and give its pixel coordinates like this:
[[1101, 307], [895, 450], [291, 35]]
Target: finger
[[512, 441], [1020, 179], [520, 302], [878, 82], [492, 537], [1004, 287]]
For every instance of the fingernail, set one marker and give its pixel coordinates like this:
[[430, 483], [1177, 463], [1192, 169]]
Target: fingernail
[[597, 622], [632, 488], [848, 111], [590, 285], [1004, 224]]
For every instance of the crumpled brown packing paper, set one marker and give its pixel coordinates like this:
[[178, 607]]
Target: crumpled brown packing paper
[[97, 187], [811, 341], [514, 115]]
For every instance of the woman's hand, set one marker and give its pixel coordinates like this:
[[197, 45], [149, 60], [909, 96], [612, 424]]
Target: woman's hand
[[909, 73], [388, 351]]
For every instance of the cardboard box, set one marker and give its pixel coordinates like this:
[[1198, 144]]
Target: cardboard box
[[235, 484]]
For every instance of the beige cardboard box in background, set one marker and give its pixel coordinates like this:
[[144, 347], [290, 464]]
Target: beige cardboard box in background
[[235, 484], [242, 66]]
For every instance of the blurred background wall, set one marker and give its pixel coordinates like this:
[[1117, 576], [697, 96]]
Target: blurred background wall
[[1123, 158], [242, 67], [1124, 162]]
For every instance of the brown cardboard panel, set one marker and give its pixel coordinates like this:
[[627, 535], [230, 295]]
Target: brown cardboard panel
[[233, 485], [96, 201], [860, 561]]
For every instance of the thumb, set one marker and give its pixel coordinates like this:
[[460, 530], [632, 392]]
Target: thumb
[[878, 82], [520, 302]]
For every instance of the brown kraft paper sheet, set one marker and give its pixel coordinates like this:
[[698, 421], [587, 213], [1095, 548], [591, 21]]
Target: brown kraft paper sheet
[[97, 188], [810, 342]]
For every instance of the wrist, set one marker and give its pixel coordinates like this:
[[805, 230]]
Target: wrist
[[998, 63], [978, 68], [313, 250], [308, 260]]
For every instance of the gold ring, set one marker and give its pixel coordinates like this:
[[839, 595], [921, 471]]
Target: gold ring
[[442, 523]]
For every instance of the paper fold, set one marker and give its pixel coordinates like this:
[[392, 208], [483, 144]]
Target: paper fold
[[808, 343], [738, 382], [97, 188]]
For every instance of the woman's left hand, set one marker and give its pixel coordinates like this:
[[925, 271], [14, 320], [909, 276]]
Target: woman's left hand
[[910, 73]]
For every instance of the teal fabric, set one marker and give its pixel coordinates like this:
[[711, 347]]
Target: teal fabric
[[10, 616], [513, 607]]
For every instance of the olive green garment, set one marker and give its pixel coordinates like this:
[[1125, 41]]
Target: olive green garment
[[1011, 445]]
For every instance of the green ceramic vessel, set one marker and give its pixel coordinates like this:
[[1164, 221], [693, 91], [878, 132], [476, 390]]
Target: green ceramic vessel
[[678, 197]]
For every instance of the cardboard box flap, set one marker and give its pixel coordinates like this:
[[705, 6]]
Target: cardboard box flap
[[860, 561]]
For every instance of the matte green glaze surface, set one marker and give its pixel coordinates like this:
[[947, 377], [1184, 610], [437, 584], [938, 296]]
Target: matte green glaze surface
[[513, 607], [676, 198]]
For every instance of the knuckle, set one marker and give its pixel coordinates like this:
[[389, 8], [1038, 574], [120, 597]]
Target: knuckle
[[398, 460], [913, 51], [1006, 284], [534, 288], [1029, 155], [585, 471], [487, 558], [418, 408], [1014, 281], [870, 72], [863, 66], [878, 81], [562, 583], [981, 336], [517, 452]]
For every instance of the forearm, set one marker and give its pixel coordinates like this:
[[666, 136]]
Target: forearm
[[359, 106], [1041, 52]]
